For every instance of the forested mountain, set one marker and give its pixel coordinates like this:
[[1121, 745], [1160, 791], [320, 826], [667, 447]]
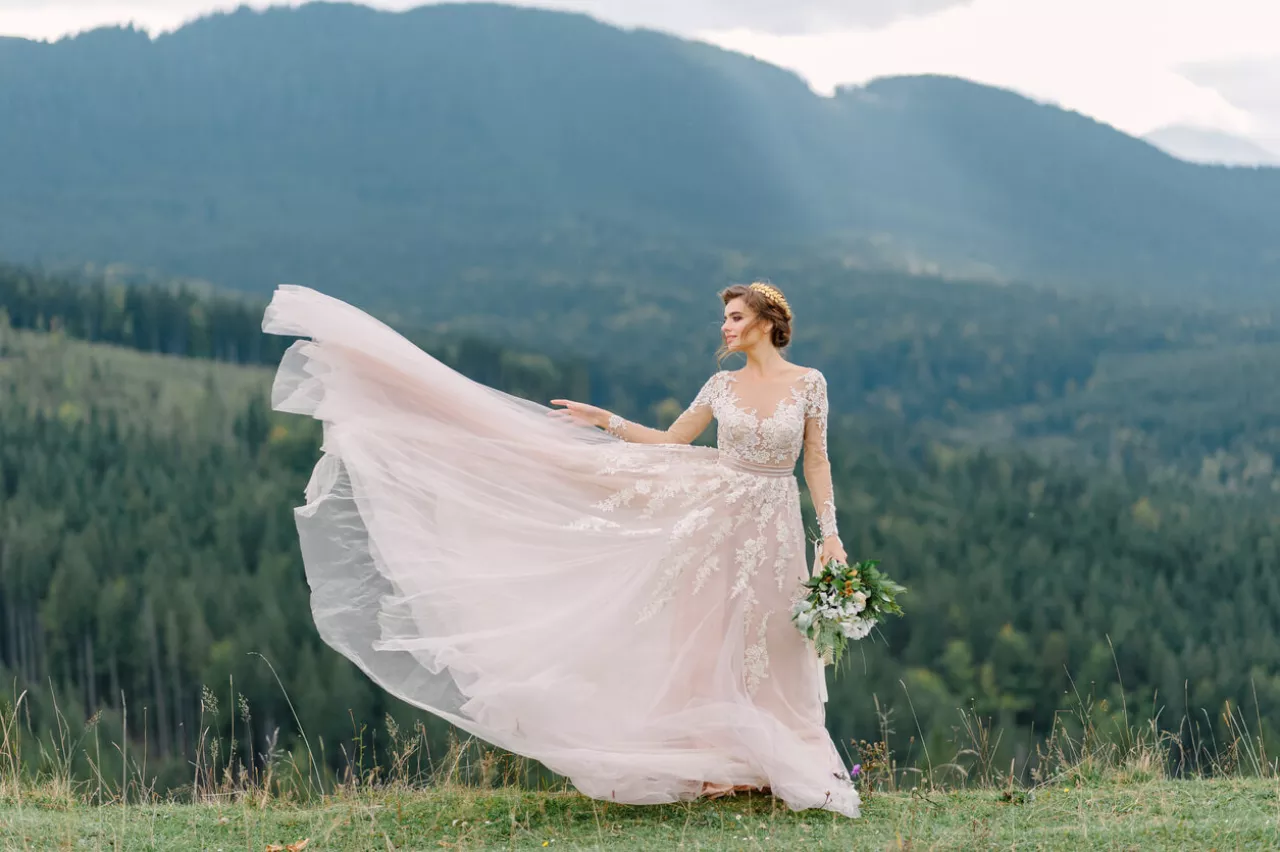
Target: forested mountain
[[148, 553], [1165, 390], [400, 157]]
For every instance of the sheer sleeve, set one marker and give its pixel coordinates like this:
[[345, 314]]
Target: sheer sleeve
[[817, 467], [687, 427]]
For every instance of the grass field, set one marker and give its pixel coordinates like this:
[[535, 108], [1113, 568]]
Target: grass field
[[1228, 814], [1119, 787]]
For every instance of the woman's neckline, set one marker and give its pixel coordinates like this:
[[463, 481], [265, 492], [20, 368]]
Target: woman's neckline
[[738, 374]]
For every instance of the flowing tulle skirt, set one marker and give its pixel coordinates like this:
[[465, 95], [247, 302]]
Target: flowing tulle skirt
[[618, 612]]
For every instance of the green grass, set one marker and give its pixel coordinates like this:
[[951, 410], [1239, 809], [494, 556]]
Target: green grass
[[1108, 786], [1199, 814]]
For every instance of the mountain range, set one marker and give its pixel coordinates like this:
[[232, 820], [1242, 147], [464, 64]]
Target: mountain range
[[394, 154]]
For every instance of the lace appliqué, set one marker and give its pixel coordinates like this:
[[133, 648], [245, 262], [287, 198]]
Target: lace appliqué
[[790, 544], [701, 536], [827, 519], [716, 518], [714, 393], [755, 662], [743, 433], [748, 559]]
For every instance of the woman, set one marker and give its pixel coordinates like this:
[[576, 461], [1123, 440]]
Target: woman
[[612, 603]]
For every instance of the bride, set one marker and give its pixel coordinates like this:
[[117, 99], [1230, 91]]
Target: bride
[[612, 602]]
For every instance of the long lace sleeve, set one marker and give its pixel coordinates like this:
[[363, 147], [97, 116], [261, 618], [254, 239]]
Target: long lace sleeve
[[817, 467], [686, 428]]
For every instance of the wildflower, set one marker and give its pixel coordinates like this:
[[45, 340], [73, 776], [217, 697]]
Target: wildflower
[[856, 771]]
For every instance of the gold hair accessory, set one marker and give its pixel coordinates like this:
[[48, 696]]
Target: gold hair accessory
[[774, 295]]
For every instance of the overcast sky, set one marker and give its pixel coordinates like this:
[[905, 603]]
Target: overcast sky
[[1136, 64]]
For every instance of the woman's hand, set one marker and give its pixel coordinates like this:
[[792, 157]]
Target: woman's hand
[[833, 549], [580, 413]]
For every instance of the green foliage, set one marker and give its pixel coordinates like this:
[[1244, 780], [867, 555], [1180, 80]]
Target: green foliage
[[1209, 412], [148, 550], [1149, 387]]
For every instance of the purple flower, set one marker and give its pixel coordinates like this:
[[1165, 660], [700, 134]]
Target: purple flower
[[857, 770]]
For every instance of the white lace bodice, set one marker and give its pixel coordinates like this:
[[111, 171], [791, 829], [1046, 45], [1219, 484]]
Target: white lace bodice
[[795, 421], [774, 439]]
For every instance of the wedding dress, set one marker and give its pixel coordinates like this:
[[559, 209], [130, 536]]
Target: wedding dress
[[618, 611]]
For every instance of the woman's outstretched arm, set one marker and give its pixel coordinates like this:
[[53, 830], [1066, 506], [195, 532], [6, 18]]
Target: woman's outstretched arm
[[685, 430]]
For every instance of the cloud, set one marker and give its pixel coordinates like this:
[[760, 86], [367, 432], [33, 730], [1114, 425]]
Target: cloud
[[1252, 84], [782, 17], [50, 18], [1117, 61]]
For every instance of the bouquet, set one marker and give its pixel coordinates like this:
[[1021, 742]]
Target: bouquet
[[844, 602]]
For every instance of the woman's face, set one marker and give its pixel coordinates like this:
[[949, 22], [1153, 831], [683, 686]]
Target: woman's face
[[740, 329]]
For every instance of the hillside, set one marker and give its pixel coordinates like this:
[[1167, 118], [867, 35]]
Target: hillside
[[149, 551], [1210, 414], [401, 156], [1158, 389]]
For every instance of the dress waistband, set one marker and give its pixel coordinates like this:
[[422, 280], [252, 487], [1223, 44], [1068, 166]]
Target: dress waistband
[[744, 466]]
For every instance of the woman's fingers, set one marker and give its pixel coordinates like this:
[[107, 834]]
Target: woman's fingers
[[836, 552], [569, 406], [572, 414]]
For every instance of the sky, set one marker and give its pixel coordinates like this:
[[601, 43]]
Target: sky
[[1138, 65]]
